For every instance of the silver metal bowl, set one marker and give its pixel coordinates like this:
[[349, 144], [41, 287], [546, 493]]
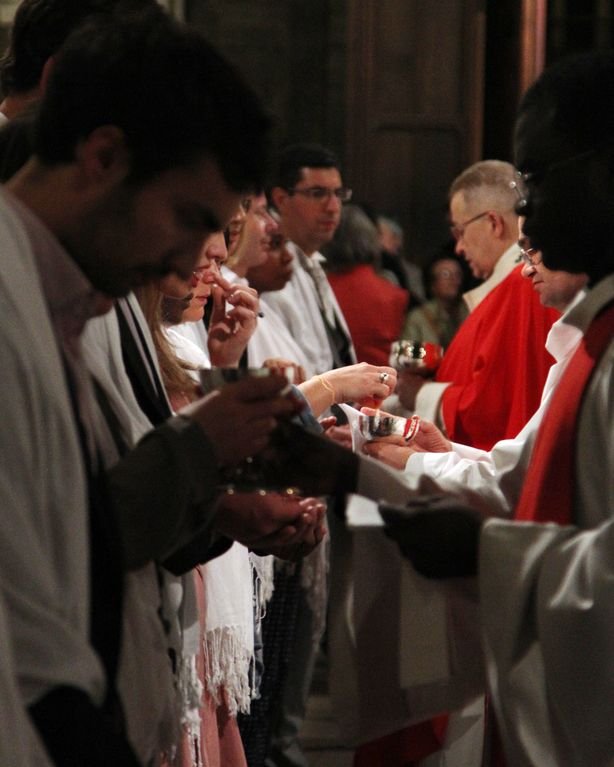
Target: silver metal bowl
[[378, 426], [415, 355]]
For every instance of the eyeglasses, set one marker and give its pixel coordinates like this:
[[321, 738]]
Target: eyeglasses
[[458, 230], [322, 193], [523, 181], [529, 255]]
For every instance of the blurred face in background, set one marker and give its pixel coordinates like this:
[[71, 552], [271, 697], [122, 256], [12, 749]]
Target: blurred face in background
[[235, 225], [276, 269], [446, 279]]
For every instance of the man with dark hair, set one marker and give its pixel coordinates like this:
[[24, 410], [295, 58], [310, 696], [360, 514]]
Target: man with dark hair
[[39, 28], [308, 193], [126, 181]]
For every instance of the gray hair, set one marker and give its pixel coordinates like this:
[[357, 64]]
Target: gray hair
[[488, 183]]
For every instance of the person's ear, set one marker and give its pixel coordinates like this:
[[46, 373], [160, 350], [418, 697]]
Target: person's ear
[[278, 196], [46, 73], [497, 224], [102, 157]]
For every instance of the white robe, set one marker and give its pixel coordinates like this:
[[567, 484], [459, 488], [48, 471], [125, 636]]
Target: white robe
[[144, 669], [548, 633], [298, 307], [44, 551]]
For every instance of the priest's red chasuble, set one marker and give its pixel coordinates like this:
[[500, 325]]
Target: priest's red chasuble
[[497, 364]]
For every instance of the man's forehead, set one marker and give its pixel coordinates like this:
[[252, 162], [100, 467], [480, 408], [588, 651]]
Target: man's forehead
[[308, 173]]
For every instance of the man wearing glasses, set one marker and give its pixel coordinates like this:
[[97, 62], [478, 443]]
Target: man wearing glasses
[[308, 193], [490, 380]]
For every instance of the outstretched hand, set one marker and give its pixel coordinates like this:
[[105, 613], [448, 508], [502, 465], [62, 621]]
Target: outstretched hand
[[438, 535], [396, 450]]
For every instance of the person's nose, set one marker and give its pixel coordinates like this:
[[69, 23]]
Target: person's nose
[[271, 226], [333, 202], [458, 247], [212, 273], [528, 270]]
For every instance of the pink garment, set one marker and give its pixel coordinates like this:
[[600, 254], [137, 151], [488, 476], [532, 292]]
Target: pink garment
[[219, 744]]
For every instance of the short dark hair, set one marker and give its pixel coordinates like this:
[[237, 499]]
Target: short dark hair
[[173, 96], [39, 29], [580, 89], [291, 159]]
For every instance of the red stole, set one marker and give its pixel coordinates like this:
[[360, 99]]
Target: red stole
[[405, 747], [549, 487], [548, 491]]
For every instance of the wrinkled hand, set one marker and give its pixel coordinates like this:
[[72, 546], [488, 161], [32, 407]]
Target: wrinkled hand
[[408, 386], [239, 418], [230, 331], [311, 462], [284, 525], [282, 366], [439, 536]]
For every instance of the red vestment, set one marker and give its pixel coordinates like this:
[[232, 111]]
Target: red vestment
[[497, 365]]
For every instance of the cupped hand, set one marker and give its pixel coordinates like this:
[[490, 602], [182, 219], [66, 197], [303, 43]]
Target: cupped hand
[[428, 438], [297, 540], [272, 523]]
